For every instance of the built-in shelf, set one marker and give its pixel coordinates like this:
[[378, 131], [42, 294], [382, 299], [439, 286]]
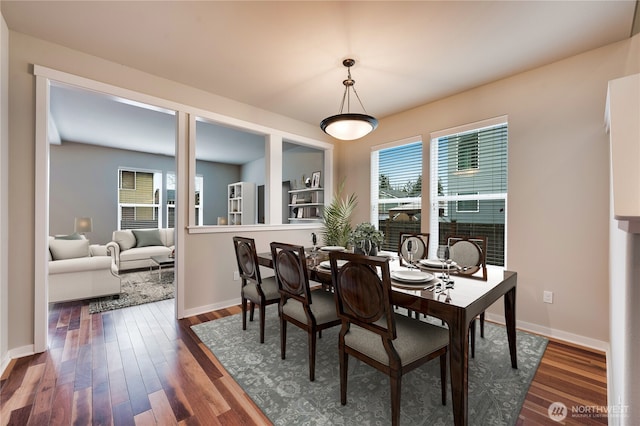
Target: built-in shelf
[[306, 205], [241, 207]]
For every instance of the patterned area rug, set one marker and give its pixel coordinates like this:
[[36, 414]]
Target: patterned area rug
[[137, 288], [282, 390]]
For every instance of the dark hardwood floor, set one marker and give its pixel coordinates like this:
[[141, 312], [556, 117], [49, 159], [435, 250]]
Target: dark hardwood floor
[[140, 366]]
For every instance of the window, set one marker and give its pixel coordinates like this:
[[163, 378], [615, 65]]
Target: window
[[396, 190], [469, 185], [139, 199], [467, 152], [171, 199], [467, 206]]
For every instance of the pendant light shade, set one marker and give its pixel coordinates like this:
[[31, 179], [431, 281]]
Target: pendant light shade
[[349, 126]]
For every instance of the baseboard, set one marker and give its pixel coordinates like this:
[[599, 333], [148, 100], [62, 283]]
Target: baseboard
[[4, 363], [208, 308], [552, 333], [15, 353]]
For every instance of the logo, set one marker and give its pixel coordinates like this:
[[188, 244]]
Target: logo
[[557, 411]]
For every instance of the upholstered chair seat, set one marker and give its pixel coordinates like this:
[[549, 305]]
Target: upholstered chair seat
[[269, 288], [416, 339]]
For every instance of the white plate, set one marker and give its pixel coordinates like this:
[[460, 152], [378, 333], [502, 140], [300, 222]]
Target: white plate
[[332, 248], [327, 264], [414, 285], [435, 263], [412, 276]]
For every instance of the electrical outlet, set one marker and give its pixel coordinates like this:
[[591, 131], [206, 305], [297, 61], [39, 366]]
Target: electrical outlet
[[547, 297], [236, 275]]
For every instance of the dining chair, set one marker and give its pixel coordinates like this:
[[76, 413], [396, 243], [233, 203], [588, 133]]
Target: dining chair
[[371, 332], [419, 246], [258, 291], [470, 255], [312, 311]]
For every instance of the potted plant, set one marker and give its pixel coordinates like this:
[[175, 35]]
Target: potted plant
[[337, 219], [366, 237]]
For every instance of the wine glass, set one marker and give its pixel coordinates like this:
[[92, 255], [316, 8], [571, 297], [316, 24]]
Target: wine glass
[[410, 252], [443, 254], [366, 247]]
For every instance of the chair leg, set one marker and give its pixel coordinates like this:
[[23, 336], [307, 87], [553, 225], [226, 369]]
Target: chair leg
[[312, 355], [252, 307], [396, 386], [344, 367], [472, 333], [244, 313], [262, 320], [482, 325], [283, 337], [443, 377]]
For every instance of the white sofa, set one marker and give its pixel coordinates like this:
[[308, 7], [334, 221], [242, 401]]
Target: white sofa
[[78, 270], [133, 248]]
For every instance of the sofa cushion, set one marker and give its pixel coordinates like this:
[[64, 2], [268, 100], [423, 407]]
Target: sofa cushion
[[80, 264], [125, 239], [68, 249], [147, 237], [74, 236], [168, 236], [141, 253]]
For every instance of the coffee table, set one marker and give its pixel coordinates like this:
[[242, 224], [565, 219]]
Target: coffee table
[[162, 261]]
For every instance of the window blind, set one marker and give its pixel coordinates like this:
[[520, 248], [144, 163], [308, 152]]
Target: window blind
[[469, 187], [396, 194]]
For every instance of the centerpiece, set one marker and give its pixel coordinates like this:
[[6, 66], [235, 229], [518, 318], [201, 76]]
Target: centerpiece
[[366, 239]]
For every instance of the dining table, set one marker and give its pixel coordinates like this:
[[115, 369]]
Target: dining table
[[458, 307]]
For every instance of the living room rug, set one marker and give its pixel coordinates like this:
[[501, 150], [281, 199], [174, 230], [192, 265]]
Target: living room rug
[[282, 390], [138, 287]]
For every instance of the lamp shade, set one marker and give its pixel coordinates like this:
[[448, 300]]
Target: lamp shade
[[349, 126], [83, 224]]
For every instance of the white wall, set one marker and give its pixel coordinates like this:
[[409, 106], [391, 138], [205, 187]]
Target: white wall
[[4, 194], [623, 112], [558, 214]]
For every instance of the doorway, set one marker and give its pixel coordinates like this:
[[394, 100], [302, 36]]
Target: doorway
[[45, 80]]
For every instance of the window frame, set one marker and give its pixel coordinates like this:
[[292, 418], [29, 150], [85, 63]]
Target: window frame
[[155, 206], [376, 201], [442, 201]]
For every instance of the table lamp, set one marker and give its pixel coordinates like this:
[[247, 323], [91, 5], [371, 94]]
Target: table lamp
[[83, 224]]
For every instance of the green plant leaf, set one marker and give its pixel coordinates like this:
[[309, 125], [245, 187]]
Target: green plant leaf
[[337, 218]]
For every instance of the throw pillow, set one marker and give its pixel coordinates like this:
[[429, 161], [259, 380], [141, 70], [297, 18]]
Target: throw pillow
[[68, 249], [74, 236], [145, 238], [125, 239]]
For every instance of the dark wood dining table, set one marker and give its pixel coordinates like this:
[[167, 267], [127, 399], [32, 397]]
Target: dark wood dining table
[[464, 303]]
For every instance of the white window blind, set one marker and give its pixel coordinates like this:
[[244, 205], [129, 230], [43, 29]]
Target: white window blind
[[396, 190], [139, 199], [469, 186]]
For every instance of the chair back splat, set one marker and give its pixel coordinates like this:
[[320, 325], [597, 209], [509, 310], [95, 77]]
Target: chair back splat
[[419, 244]]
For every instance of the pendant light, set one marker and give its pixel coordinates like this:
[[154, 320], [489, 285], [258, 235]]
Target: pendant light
[[349, 126]]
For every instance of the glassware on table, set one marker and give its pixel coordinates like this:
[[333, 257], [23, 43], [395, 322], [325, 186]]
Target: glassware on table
[[366, 247], [410, 252], [442, 257]]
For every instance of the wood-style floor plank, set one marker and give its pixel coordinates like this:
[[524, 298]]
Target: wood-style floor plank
[[139, 366]]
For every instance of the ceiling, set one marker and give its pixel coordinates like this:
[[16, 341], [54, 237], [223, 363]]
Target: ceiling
[[286, 57]]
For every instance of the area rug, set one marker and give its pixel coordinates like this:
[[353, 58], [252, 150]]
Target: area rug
[[137, 288], [282, 390]]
